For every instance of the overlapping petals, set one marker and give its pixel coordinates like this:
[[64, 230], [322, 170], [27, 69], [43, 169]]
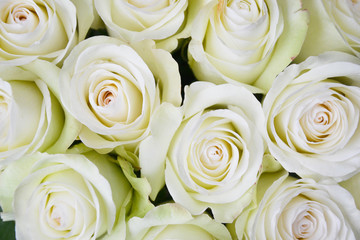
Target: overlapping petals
[[112, 91], [171, 220], [31, 118], [313, 117], [334, 26], [164, 21], [236, 41], [302, 209], [41, 29], [71, 196], [216, 154]]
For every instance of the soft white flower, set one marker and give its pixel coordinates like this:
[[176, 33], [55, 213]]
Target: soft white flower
[[216, 154], [69, 196], [31, 118], [45, 29], [171, 221], [164, 21], [334, 26], [246, 41], [300, 209], [312, 113], [115, 90]]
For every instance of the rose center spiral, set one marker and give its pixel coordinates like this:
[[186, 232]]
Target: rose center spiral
[[304, 226], [20, 13], [106, 97], [244, 5], [214, 153], [61, 216]]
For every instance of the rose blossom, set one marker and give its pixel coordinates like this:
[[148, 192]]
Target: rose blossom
[[31, 117], [299, 209], [70, 196], [215, 156], [163, 21], [171, 221], [334, 26], [247, 42], [312, 113], [45, 29], [115, 90]]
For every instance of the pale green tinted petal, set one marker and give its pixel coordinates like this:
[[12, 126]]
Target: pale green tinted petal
[[226, 213], [352, 185], [289, 43], [178, 191], [171, 220], [168, 78], [161, 215], [85, 16], [140, 199], [49, 73], [322, 35], [11, 177], [153, 149], [171, 43]]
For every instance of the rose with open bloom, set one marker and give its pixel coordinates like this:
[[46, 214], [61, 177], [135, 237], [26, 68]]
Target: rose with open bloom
[[334, 26], [216, 154], [115, 90], [246, 41], [172, 221], [163, 21], [300, 209], [69, 196], [31, 118], [45, 29], [312, 113]]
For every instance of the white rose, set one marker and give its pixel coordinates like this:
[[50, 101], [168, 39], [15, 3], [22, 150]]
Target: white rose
[[300, 209], [171, 221], [31, 117], [334, 26], [312, 113], [69, 196], [45, 29], [216, 154], [163, 21], [247, 42], [115, 90]]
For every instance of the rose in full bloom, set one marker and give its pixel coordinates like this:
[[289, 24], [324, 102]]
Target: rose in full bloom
[[46, 29], [171, 221], [334, 26], [312, 114], [300, 209], [31, 118], [162, 21], [247, 42], [68, 196], [115, 90], [216, 154]]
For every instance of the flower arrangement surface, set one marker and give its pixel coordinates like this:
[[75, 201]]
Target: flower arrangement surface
[[179, 119]]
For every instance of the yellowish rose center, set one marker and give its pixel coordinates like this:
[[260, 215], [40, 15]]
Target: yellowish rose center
[[61, 216]]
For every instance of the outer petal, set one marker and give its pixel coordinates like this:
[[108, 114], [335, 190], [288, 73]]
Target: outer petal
[[163, 220], [289, 43], [153, 149]]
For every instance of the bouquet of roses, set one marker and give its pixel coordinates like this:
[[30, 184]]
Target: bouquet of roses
[[187, 119]]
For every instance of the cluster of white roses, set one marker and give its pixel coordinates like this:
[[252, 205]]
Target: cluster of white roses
[[104, 136]]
